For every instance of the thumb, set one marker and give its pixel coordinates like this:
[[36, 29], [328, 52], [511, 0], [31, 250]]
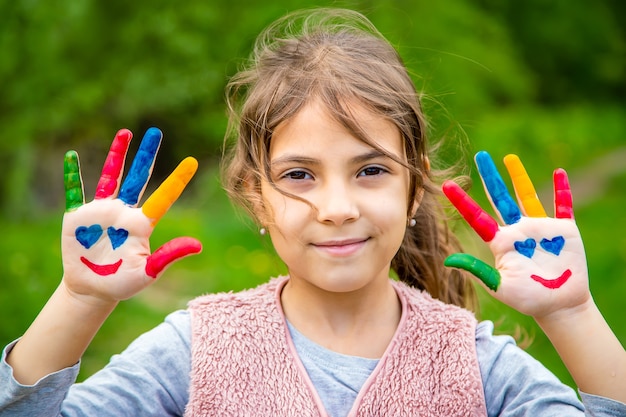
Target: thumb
[[481, 270], [170, 252]]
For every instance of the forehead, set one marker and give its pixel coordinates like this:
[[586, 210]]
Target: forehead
[[314, 130]]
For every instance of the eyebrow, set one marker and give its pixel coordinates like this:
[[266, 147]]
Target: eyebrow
[[300, 159]]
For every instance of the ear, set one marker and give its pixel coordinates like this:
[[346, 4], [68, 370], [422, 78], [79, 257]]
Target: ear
[[254, 197], [426, 164], [416, 203], [420, 194]]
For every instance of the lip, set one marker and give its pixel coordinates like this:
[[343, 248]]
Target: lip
[[341, 247]]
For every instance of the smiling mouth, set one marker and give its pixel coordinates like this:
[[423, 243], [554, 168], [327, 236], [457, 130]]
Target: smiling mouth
[[341, 247], [553, 283], [101, 269]]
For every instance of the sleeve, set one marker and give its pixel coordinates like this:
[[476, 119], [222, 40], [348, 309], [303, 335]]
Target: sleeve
[[150, 378], [516, 384], [42, 399]]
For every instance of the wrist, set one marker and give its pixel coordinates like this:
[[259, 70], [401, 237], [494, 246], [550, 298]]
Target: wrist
[[85, 303], [574, 315]]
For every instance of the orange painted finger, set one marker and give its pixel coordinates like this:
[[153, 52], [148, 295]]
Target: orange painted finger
[[524, 189], [168, 192]]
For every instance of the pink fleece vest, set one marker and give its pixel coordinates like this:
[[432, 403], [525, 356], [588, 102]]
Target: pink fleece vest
[[244, 362]]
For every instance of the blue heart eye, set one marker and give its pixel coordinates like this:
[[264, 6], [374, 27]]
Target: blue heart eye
[[526, 248], [554, 245], [117, 236], [88, 236]]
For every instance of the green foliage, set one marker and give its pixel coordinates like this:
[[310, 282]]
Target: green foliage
[[71, 73]]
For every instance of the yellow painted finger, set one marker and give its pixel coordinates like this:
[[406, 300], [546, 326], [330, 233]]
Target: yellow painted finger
[[168, 192], [524, 189]]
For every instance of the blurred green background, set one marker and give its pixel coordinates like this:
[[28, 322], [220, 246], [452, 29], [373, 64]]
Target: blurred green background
[[545, 80]]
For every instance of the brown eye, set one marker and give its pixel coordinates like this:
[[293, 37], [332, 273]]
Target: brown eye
[[297, 175], [373, 170]]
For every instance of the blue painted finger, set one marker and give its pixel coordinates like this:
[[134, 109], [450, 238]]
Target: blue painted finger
[[141, 168], [502, 200]]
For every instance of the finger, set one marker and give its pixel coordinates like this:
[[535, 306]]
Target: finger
[[474, 215], [481, 270], [171, 251], [524, 189], [141, 168], [74, 194], [563, 204], [496, 189], [169, 191], [113, 167]]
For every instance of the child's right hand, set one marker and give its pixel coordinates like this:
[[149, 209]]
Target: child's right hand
[[105, 243]]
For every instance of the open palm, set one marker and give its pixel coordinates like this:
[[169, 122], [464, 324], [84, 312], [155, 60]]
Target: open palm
[[105, 243], [540, 264]]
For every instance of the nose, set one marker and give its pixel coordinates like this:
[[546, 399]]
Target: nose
[[336, 204]]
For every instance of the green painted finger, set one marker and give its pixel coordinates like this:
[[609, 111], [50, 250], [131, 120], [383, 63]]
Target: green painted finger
[[484, 272], [74, 195]]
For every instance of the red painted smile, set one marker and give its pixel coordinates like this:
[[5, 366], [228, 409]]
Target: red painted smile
[[101, 269], [553, 283]]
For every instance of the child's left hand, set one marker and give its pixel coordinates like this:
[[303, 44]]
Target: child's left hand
[[540, 265]]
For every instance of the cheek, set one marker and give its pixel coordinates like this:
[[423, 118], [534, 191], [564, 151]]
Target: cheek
[[281, 212]]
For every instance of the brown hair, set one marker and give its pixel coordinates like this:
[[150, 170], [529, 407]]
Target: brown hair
[[337, 56]]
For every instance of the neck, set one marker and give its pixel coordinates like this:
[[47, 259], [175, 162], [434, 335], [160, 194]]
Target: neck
[[359, 323]]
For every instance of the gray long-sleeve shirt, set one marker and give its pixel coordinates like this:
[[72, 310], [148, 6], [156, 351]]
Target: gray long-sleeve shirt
[[151, 378]]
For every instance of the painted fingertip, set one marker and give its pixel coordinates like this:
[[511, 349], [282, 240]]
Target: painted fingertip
[[512, 158], [448, 185], [189, 166], [151, 142], [482, 157], [450, 189], [122, 140], [153, 133], [124, 134], [514, 165]]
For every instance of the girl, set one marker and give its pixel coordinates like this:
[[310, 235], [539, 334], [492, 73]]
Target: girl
[[331, 160]]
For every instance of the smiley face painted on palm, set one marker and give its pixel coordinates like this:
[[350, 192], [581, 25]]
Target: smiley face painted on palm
[[88, 236], [553, 246], [530, 247], [109, 236], [117, 242], [542, 251]]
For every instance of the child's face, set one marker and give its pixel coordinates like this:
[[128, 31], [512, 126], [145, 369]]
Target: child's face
[[348, 237]]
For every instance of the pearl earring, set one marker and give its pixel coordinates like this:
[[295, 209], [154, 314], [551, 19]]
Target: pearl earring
[[262, 231], [412, 222]]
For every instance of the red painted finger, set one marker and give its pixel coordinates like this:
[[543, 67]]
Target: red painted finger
[[109, 182], [482, 223], [170, 252], [563, 205]]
